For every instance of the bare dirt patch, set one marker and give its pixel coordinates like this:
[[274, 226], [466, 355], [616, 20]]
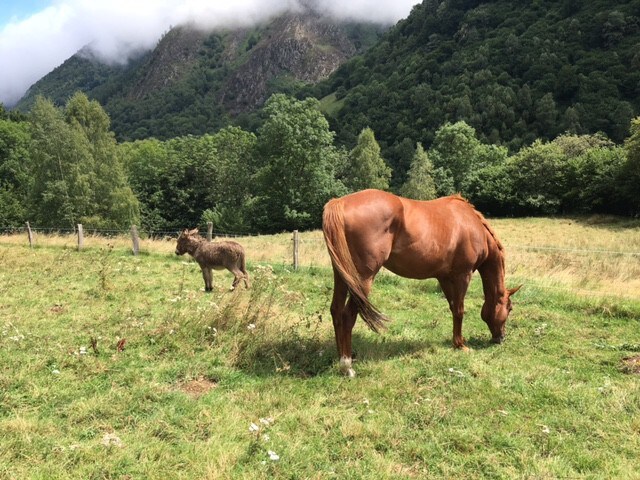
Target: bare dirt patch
[[197, 387], [631, 364]]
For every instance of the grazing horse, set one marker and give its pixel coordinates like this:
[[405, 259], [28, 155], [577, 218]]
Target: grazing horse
[[446, 239], [214, 255]]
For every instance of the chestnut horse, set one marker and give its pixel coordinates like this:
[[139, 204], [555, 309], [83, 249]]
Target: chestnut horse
[[446, 239]]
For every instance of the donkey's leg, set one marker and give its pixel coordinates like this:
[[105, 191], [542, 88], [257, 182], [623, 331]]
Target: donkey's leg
[[455, 289], [208, 279], [237, 276]]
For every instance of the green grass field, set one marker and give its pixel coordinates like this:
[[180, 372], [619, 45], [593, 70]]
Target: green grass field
[[114, 366]]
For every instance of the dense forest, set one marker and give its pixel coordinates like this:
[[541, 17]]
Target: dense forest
[[515, 71], [63, 166]]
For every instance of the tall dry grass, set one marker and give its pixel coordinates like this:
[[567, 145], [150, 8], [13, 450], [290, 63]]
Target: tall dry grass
[[590, 256]]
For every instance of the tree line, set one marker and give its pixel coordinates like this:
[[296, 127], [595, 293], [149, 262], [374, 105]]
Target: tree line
[[62, 166]]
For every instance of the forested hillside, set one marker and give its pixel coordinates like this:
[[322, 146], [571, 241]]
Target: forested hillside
[[525, 108], [513, 70], [198, 81]]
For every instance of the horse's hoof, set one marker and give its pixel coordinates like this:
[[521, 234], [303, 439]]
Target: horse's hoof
[[345, 367]]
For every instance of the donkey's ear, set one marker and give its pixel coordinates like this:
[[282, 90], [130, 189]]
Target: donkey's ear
[[511, 291]]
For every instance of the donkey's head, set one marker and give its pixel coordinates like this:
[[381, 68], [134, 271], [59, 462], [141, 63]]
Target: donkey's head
[[185, 240]]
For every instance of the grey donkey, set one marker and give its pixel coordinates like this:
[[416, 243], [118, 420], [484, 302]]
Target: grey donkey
[[214, 255]]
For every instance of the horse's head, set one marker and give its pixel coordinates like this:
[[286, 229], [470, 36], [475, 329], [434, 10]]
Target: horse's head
[[495, 315], [184, 240]]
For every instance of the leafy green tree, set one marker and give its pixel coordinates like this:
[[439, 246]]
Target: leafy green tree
[[631, 169], [15, 178], [457, 153], [297, 169], [236, 164], [366, 168], [420, 183], [595, 181], [61, 192], [145, 163], [76, 175], [541, 176], [491, 189], [113, 201]]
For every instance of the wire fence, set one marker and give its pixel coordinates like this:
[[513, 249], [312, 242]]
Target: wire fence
[[292, 244], [170, 233]]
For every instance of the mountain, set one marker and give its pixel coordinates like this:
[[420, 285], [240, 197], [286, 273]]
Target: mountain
[[196, 81], [514, 70]]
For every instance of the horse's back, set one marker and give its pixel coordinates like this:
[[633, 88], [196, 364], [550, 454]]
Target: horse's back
[[417, 239]]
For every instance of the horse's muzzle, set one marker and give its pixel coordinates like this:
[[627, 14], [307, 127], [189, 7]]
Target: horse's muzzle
[[498, 339]]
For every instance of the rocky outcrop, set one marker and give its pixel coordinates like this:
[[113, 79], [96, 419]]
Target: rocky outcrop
[[306, 47], [171, 60]]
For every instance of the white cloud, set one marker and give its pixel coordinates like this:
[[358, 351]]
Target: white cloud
[[31, 48]]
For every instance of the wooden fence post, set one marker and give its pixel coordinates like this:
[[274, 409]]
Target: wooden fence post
[[135, 239], [30, 234], [209, 231], [80, 237], [296, 244]]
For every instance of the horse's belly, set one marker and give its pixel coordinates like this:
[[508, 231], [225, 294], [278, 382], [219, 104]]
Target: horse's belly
[[415, 269]]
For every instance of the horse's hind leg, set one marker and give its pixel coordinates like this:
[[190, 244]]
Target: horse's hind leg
[[455, 289], [342, 323]]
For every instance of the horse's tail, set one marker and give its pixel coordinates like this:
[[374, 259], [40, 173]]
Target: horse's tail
[[334, 236]]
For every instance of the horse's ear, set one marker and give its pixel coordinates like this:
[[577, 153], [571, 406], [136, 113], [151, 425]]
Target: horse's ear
[[511, 291], [194, 231]]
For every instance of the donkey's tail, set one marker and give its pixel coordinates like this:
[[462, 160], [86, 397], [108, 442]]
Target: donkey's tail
[[334, 236]]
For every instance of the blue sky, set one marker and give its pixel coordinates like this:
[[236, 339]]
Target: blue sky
[[36, 36], [20, 9]]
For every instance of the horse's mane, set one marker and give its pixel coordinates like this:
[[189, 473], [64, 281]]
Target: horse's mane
[[484, 221]]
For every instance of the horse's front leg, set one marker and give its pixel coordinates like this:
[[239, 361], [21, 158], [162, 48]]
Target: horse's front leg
[[455, 290]]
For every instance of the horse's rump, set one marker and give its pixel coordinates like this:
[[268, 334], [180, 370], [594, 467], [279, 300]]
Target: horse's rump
[[333, 228]]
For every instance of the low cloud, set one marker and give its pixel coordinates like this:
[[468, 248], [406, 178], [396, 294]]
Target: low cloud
[[115, 29]]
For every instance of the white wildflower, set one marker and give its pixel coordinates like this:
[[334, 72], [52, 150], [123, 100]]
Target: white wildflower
[[55, 372], [266, 421], [251, 326], [456, 372], [545, 429], [253, 428], [273, 456]]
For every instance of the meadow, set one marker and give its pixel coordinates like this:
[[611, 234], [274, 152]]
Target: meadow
[[120, 366]]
